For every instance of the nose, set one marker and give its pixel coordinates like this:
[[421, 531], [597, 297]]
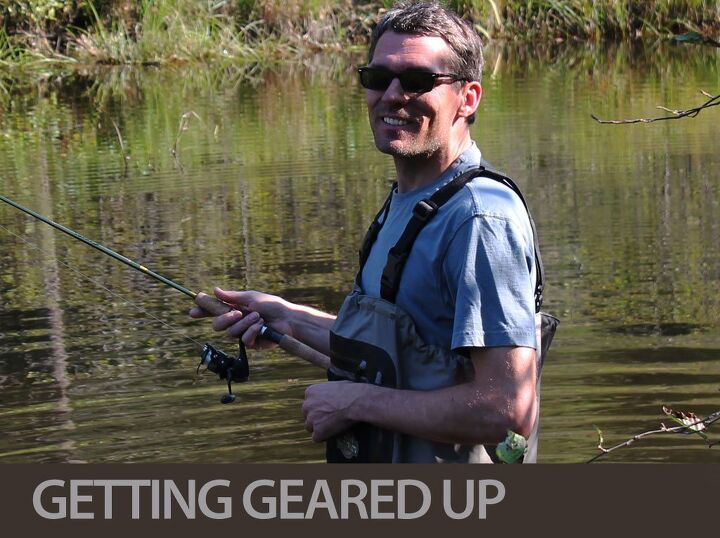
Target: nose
[[395, 92]]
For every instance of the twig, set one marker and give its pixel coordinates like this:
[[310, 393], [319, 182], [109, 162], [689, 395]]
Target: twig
[[707, 421], [126, 157], [713, 100], [182, 126]]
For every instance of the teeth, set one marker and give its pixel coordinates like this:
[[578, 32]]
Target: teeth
[[394, 121]]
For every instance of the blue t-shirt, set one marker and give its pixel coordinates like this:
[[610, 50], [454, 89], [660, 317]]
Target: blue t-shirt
[[469, 280]]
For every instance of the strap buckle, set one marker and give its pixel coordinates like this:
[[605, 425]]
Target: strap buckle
[[424, 210]]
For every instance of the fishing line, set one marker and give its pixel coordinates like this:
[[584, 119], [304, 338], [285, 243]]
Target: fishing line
[[124, 300], [226, 367], [232, 369]]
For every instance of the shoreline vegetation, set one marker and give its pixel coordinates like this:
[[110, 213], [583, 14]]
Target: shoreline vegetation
[[60, 33]]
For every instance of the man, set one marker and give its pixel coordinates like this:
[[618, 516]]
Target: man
[[459, 328]]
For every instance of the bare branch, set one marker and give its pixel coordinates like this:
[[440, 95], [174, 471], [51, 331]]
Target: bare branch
[[713, 100], [687, 428]]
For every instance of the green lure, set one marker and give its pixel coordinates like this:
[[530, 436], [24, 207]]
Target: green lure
[[512, 448]]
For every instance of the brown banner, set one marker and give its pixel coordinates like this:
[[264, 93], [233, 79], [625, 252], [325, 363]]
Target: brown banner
[[348, 501]]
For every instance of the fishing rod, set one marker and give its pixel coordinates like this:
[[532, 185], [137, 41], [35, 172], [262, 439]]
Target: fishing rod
[[232, 369]]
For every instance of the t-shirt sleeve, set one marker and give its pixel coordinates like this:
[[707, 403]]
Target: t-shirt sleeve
[[489, 267]]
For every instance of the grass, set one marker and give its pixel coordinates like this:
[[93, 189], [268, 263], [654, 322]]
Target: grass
[[583, 20], [176, 31], [154, 32]]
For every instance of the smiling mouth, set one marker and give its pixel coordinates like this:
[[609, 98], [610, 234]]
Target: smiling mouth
[[396, 122]]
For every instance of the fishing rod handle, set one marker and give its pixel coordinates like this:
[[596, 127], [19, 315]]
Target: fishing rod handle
[[211, 305], [295, 347]]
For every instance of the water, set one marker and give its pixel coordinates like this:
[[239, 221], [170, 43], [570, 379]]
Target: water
[[270, 182]]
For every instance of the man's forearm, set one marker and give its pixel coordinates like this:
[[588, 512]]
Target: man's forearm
[[500, 397], [459, 414], [312, 327]]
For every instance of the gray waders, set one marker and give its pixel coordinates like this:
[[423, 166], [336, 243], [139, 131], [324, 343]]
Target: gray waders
[[374, 341]]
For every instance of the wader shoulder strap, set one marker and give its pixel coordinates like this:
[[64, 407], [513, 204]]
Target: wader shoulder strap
[[372, 233], [423, 212]]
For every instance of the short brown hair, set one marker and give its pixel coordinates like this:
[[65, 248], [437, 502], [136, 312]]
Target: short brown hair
[[433, 19]]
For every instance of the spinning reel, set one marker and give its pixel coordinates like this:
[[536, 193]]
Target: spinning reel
[[235, 369]]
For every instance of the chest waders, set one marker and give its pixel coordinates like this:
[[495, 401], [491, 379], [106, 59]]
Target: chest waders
[[374, 341]]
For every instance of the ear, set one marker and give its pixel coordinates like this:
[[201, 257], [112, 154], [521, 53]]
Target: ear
[[471, 94]]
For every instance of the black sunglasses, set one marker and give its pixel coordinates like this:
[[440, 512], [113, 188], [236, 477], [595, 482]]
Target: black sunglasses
[[412, 81]]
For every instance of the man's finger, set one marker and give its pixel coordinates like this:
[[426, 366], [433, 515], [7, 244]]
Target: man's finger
[[239, 298], [251, 333], [221, 323], [197, 312]]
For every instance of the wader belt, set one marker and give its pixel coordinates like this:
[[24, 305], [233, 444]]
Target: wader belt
[[423, 212]]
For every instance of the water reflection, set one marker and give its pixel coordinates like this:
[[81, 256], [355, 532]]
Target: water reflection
[[273, 187]]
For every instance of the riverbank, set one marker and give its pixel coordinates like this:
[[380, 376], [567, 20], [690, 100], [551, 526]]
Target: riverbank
[[38, 33]]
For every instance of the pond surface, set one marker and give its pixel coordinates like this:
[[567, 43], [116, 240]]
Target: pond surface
[[270, 182]]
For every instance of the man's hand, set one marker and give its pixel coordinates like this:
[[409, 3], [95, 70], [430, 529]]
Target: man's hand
[[254, 309], [500, 397], [326, 408]]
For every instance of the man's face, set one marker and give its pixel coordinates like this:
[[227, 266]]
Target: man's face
[[412, 124]]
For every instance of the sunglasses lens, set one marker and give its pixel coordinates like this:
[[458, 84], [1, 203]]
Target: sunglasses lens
[[417, 81], [376, 79]]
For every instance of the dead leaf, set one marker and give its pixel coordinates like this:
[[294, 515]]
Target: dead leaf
[[691, 420]]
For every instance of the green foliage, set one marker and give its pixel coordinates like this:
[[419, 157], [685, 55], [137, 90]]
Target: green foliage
[[473, 8], [162, 31], [171, 31], [590, 19], [41, 15], [37, 12]]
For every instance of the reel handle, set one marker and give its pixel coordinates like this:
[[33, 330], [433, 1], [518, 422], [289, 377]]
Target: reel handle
[[293, 346]]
